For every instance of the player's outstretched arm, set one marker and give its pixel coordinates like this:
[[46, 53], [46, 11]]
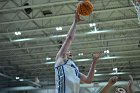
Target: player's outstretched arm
[[130, 84], [110, 83], [70, 36], [90, 77]]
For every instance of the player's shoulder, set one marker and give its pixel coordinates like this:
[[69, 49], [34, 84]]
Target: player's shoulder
[[59, 61]]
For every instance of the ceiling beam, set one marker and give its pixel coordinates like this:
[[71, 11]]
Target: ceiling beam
[[81, 34], [42, 67], [41, 64], [26, 81], [39, 5], [60, 16], [100, 76], [89, 41], [22, 88], [54, 52], [6, 76]]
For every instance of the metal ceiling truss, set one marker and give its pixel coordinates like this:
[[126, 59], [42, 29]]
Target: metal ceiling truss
[[62, 16], [103, 22]]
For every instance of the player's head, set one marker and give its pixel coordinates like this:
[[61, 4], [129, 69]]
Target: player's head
[[68, 54], [120, 90]]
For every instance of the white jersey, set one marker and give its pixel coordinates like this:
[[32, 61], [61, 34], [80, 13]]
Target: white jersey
[[67, 78]]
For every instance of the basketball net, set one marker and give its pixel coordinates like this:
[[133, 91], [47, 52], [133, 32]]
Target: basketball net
[[137, 8]]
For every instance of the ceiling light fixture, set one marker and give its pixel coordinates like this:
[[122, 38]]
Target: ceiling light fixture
[[115, 70], [108, 57], [118, 73], [98, 74], [49, 63], [21, 79], [80, 54], [17, 33], [106, 51], [20, 40], [59, 36], [17, 77], [79, 60], [95, 32], [92, 24], [48, 58], [58, 28]]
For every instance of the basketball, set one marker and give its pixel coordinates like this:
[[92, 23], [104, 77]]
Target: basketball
[[85, 8]]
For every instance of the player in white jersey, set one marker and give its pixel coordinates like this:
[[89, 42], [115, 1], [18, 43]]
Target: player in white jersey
[[67, 74]]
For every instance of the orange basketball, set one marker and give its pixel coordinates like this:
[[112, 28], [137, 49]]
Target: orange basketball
[[85, 8]]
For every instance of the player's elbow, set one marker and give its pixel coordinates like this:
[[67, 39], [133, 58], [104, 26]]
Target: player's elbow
[[88, 81]]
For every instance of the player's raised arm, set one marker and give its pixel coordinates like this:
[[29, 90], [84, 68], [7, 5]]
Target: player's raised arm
[[70, 36], [130, 84], [90, 77]]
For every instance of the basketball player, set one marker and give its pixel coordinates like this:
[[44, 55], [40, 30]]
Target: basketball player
[[113, 80], [67, 74]]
